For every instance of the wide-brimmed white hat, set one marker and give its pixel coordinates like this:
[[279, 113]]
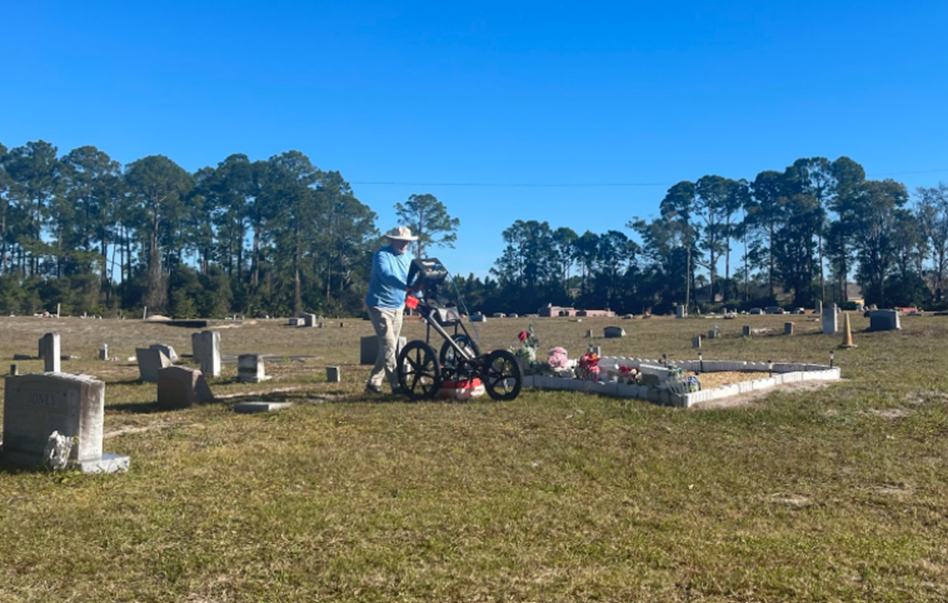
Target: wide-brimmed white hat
[[401, 233]]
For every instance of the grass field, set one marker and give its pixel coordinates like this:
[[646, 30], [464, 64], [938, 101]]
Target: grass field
[[834, 494]]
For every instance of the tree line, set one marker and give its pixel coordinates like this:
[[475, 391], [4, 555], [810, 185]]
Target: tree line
[[279, 236], [787, 237]]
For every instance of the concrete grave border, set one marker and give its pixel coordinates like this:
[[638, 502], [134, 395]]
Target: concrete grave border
[[782, 372]]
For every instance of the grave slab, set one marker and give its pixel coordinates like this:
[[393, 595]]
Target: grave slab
[[255, 407]]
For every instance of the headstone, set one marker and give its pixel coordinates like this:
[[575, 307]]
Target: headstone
[[14, 370], [746, 331], [589, 333], [206, 347], [830, 325], [255, 407], [819, 307], [680, 311], [333, 374], [167, 349], [369, 348], [342, 325], [788, 328], [309, 320], [150, 361], [478, 318], [713, 334], [613, 332], [295, 322], [51, 353], [34, 406], [250, 368], [884, 320], [182, 387], [104, 352], [696, 341]]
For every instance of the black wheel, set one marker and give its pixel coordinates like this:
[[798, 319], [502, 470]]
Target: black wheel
[[419, 373], [502, 376], [464, 342]]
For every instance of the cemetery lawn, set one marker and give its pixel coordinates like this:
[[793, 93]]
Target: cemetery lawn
[[838, 493]]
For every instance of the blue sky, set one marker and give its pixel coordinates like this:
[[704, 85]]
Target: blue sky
[[465, 100]]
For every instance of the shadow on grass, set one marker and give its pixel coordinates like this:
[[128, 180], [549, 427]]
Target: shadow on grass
[[139, 408]]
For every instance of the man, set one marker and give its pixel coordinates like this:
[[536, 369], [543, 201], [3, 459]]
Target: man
[[386, 302]]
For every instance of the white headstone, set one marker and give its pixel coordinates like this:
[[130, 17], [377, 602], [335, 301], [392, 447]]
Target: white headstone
[[206, 347], [250, 368], [51, 353], [680, 311], [830, 323], [36, 405]]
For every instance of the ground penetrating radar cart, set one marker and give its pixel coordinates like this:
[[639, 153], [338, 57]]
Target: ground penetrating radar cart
[[422, 372]]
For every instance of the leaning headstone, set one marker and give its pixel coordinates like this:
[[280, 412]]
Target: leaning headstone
[[206, 347], [696, 341], [250, 368], [788, 328], [884, 320], [182, 387], [746, 331], [167, 349], [369, 348], [613, 332], [37, 405], [150, 361], [51, 353], [104, 352], [333, 374], [680, 311], [830, 325]]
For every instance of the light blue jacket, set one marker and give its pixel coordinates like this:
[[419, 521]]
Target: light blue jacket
[[389, 279]]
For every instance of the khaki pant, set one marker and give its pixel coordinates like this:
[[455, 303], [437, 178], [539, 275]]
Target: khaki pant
[[388, 325]]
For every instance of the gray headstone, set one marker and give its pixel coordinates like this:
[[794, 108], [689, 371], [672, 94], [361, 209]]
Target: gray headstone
[[819, 307], [250, 368], [309, 320], [746, 331], [206, 347], [830, 324], [613, 332], [884, 320], [182, 387], [369, 348], [713, 334], [680, 311], [589, 333], [51, 353], [295, 322], [788, 328], [104, 352], [167, 349], [34, 406], [696, 341], [14, 370], [150, 361], [478, 318], [333, 374]]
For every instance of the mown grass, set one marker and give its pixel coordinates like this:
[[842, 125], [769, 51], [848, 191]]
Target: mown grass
[[837, 494]]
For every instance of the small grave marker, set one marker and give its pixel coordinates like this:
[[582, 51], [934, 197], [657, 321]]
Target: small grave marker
[[830, 325], [51, 353], [206, 347], [333, 374], [746, 331], [613, 332], [696, 341], [255, 407], [788, 328]]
